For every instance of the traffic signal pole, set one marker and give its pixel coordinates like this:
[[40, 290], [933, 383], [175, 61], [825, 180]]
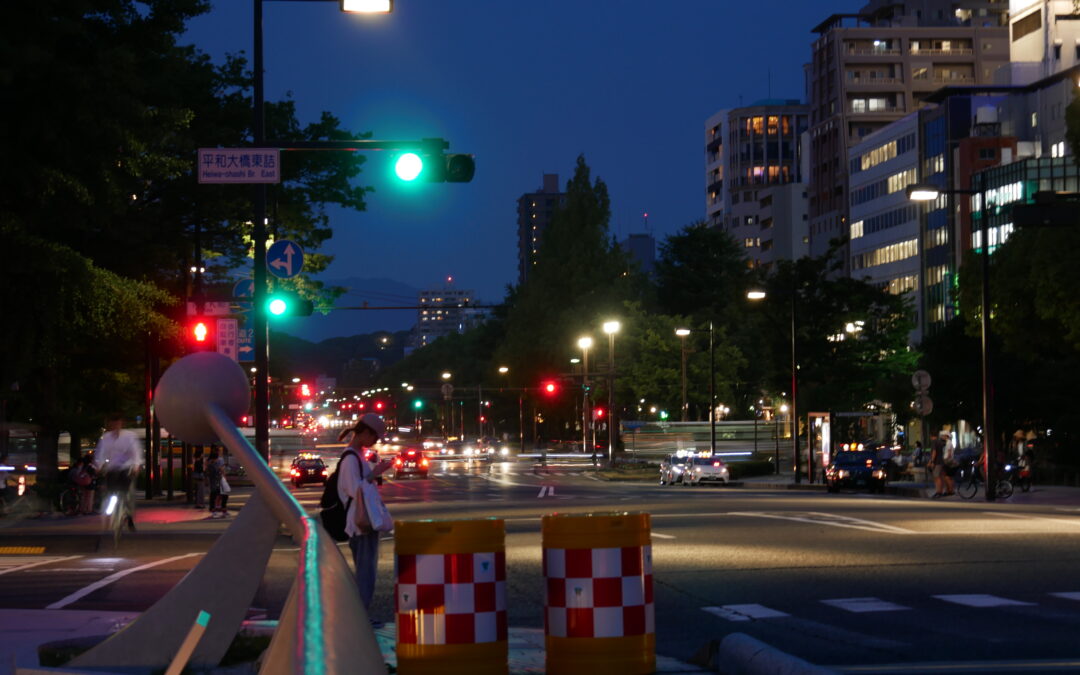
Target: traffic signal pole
[[258, 299]]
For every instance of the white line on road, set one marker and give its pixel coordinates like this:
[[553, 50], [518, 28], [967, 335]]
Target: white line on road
[[833, 520], [982, 600], [1026, 517], [744, 612], [663, 536], [36, 562], [546, 491], [860, 605], [87, 590]]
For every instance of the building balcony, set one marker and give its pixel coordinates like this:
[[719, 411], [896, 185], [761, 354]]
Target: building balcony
[[872, 81], [871, 51], [965, 79], [890, 110], [962, 51]]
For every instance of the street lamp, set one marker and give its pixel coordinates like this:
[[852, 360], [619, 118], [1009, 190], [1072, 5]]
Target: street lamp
[[760, 295], [682, 333], [504, 370], [611, 327], [924, 193], [585, 343], [258, 313]]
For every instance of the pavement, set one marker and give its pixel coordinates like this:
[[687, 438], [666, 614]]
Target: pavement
[[23, 630]]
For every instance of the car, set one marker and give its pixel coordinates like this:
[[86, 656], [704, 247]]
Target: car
[[705, 470], [434, 444], [859, 469], [308, 468], [411, 462], [672, 468]]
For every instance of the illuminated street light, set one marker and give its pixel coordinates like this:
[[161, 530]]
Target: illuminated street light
[[611, 327], [446, 376], [923, 192], [503, 370], [760, 295]]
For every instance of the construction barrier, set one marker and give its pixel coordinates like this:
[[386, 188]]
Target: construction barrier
[[599, 615], [450, 596]]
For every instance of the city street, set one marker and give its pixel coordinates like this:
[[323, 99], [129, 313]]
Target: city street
[[836, 579]]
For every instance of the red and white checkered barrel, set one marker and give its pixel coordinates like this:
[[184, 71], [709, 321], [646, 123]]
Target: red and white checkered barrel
[[598, 614], [450, 596]]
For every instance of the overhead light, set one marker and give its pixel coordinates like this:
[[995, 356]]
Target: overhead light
[[922, 192], [755, 295], [367, 6]]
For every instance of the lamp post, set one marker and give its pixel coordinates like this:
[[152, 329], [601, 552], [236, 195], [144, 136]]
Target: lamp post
[[504, 370], [925, 193], [611, 327], [585, 343], [258, 296], [760, 295], [682, 333]]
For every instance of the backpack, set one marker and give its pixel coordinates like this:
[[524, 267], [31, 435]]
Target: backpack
[[333, 513]]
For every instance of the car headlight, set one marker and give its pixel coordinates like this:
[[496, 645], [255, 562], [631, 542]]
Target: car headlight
[[842, 473], [468, 451], [879, 473], [504, 451]]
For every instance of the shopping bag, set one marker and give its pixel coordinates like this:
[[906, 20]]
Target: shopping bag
[[225, 487]]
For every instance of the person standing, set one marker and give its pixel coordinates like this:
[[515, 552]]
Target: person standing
[[353, 468], [118, 458], [213, 480], [198, 478]]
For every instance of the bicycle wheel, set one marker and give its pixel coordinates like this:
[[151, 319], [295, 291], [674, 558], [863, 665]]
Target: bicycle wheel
[[69, 502], [1004, 488], [967, 488]]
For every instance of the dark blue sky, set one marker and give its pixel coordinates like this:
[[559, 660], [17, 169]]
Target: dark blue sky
[[526, 86]]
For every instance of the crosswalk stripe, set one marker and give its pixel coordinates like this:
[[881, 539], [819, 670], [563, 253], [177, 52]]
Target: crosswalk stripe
[[981, 600], [744, 612], [861, 605], [25, 562], [1071, 595], [101, 583]]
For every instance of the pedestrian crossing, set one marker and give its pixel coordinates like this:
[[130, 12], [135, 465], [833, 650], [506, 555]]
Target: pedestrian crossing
[[869, 605]]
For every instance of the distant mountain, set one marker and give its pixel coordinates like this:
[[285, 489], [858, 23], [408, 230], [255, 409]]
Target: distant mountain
[[349, 322]]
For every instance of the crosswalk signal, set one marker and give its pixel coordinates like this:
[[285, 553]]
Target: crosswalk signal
[[201, 334]]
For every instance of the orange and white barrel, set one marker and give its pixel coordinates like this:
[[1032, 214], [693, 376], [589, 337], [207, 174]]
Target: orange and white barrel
[[450, 596], [599, 613]]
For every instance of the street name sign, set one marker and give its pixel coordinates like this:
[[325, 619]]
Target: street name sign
[[210, 309], [239, 165], [227, 338], [285, 259]]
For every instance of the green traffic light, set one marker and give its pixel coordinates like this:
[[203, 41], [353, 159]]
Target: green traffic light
[[663, 414], [408, 166], [277, 306], [418, 404]]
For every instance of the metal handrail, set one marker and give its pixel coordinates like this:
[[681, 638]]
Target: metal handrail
[[332, 630]]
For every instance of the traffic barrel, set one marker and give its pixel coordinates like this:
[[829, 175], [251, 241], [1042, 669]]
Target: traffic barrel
[[450, 596], [598, 615]]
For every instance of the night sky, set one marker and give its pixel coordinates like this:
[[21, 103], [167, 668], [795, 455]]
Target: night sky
[[526, 86]]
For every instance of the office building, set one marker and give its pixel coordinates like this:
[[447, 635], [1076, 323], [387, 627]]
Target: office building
[[535, 210], [642, 250], [1045, 39], [874, 67], [754, 169], [444, 311]]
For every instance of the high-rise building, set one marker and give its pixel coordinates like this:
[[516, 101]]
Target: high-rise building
[[642, 250], [874, 67], [443, 311], [754, 178], [1045, 40], [535, 210]]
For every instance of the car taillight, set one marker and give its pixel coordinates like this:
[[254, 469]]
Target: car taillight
[[424, 462], [295, 472], [324, 472], [397, 462]]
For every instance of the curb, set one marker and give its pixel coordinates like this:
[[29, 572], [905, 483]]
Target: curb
[[744, 655]]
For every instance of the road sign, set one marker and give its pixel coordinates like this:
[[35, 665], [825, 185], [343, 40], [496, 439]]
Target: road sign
[[245, 345], [244, 289], [285, 259], [447, 390], [226, 338], [239, 165], [923, 405], [210, 309], [920, 379]]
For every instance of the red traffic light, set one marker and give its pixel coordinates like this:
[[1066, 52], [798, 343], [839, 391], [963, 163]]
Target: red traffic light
[[549, 387], [598, 413], [200, 334], [305, 391], [378, 405]]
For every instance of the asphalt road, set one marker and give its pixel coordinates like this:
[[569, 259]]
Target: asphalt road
[[835, 579]]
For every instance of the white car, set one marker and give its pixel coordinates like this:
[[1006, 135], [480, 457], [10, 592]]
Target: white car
[[705, 470], [671, 469]]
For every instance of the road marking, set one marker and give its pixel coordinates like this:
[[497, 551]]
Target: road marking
[[1068, 596], [22, 550], [1026, 517], [861, 605], [87, 590], [982, 600], [17, 564], [833, 520], [744, 612], [663, 536], [548, 489]]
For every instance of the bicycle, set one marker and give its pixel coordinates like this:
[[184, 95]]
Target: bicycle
[[115, 504], [971, 479]]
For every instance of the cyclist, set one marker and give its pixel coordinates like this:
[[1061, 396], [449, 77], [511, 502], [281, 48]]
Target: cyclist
[[118, 458]]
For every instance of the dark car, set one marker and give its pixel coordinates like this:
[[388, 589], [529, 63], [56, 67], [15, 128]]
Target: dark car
[[307, 469], [857, 470], [411, 462]]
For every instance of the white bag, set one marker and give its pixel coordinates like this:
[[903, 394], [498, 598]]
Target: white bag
[[225, 487], [371, 513]]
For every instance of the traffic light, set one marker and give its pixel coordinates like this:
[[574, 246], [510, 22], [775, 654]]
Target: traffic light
[[201, 334], [435, 168], [417, 404], [305, 391], [549, 387], [663, 414], [288, 304], [598, 413], [378, 405]]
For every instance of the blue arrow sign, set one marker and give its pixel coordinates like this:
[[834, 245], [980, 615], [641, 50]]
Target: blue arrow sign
[[244, 289], [245, 345], [285, 259]]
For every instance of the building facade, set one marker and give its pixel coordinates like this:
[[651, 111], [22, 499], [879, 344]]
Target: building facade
[[442, 312], [754, 165], [869, 69], [642, 250], [535, 210]]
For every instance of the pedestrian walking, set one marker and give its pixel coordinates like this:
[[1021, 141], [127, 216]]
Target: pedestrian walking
[[354, 468], [943, 484], [118, 458]]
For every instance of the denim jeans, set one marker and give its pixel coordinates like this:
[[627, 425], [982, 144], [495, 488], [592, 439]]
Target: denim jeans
[[365, 550]]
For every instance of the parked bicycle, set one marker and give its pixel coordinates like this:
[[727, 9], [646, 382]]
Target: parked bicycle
[[970, 478]]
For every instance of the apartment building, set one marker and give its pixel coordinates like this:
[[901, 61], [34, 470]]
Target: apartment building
[[535, 210], [444, 311], [872, 68], [754, 169]]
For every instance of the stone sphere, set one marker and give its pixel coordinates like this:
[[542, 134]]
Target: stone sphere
[[188, 385]]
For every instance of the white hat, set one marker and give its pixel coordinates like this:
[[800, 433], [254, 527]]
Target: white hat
[[373, 422]]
